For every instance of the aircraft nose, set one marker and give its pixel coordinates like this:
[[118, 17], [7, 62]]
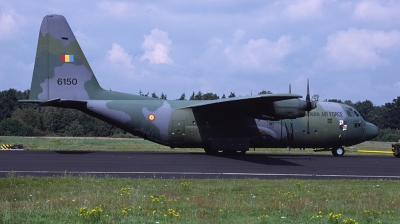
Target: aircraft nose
[[370, 131]]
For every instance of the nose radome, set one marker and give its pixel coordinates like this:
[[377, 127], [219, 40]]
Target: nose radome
[[370, 131]]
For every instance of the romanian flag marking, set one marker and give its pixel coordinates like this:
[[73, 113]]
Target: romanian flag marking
[[67, 58], [151, 117]]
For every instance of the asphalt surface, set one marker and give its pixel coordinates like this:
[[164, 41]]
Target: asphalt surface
[[197, 165]]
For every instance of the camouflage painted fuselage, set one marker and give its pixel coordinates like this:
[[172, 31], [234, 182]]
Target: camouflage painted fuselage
[[171, 123], [62, 77]]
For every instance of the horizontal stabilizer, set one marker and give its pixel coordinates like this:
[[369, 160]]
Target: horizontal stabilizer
[[57, 103]]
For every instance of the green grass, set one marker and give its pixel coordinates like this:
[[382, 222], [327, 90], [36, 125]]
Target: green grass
[[88, 199], [135, 144]]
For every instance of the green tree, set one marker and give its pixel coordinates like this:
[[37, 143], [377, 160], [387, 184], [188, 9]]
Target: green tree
[[333, 100], [264, 92], [210, 96], [183, 96], [198, 96], [26, 116], [366, 109], [8, 102], [12, 127], [75, 129], [154, 95], [391, 117]]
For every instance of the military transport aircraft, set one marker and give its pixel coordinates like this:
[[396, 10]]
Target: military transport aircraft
[[62, 77]]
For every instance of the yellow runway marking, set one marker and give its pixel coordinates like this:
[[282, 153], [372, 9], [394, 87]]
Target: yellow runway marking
[[375, 151]]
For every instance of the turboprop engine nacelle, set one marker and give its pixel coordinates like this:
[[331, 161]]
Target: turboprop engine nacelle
[[289, 109]]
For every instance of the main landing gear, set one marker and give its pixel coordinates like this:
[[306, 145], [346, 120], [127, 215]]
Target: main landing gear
[[224, 152]]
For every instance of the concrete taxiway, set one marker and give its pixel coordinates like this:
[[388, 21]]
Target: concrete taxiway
[[197, 165]]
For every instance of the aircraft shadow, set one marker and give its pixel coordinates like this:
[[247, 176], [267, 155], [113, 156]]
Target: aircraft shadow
[[73, 152], [262, 159]]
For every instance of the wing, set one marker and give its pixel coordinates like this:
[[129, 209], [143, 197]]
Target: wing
[[266, 106]]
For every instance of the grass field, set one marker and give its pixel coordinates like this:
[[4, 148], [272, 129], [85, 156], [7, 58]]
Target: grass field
[[88, 199]]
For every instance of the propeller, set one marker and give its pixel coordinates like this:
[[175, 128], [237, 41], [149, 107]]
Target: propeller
[[291, 121], [309, 106]]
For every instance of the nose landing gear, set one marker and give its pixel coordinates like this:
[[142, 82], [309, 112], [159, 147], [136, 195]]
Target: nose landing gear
[[338, 151]]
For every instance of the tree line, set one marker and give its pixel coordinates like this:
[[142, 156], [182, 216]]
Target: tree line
[[24, 119]]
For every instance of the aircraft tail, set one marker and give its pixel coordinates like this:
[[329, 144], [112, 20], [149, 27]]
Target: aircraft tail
[[61, 70]]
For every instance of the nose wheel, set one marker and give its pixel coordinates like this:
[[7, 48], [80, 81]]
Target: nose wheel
[[339, 151]]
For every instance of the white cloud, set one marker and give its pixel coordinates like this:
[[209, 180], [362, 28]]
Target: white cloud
[[157, 46], [115, 8], [14, 73], [117, 55], [373, 11], [303, 10], [10, 22], [360, 48], [261, 53]]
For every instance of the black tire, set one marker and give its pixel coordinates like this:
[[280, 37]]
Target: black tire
[[240, 152], [339, 151], [214, 152]]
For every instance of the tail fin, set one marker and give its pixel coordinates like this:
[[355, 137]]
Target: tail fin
[[61, 70]]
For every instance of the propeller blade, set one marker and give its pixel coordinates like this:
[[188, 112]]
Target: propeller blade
[[308, 100], [310, 106], [308, 123], [290, 88]]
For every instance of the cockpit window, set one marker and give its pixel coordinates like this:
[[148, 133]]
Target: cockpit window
[[349, 112]]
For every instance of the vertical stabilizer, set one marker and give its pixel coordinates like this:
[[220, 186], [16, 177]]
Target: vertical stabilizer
[[61, 70]]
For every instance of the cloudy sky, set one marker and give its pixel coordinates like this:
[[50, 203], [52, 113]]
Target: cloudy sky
[[350, 50]]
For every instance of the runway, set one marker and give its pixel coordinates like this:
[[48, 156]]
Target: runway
[[197, 165]]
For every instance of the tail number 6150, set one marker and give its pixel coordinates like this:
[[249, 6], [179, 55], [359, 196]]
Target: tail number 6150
[[67, 81]]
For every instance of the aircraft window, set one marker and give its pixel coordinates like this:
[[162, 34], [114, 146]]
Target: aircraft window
[[349, 112], [357, 114], [329, 120], [357, 124]]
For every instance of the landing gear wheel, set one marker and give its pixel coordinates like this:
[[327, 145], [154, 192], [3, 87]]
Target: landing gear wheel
[[339, 151], [240, 152]]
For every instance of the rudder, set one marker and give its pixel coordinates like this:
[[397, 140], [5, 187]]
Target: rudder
[[61, 70]]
